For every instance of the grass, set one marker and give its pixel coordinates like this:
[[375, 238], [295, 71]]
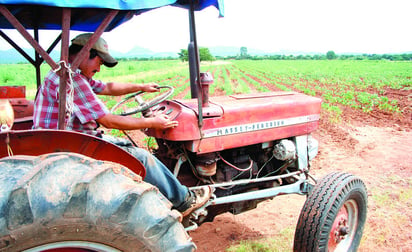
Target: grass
[[21, 75], [144, 71], [283, 241]]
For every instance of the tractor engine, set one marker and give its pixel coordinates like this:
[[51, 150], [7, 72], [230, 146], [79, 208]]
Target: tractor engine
[[256, 161], [229, 166], [240, 144], [228, 170]]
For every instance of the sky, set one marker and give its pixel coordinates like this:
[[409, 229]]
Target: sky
[[312, 26]]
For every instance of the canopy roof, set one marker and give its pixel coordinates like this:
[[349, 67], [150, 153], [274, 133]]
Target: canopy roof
[[87, 14]]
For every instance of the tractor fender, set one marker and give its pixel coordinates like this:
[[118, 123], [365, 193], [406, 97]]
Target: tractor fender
[[39, 142]]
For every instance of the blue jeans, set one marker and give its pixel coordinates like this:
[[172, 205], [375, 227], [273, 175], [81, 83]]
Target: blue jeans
[[157, 173]]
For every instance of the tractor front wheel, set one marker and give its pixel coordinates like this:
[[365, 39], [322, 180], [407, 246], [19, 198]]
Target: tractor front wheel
[[333, 216], [69, 202]]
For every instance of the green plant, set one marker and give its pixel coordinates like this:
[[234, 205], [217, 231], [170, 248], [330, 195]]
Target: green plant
[[116, 133], [333, 112], [150, 143], [279, 243]]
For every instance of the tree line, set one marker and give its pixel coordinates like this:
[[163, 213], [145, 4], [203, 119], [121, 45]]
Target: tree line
[[391, 57], [205, 55], [330, 55]]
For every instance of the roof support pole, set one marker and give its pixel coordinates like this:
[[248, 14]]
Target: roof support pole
[[64, 59], [13, 21], [84, 52], [17, 47], [37, 59], [193, 42], [26, 56]]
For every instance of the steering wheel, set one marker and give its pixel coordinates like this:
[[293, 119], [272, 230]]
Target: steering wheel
[[143, 105]]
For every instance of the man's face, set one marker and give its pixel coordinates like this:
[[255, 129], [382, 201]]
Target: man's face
[[89, 67]]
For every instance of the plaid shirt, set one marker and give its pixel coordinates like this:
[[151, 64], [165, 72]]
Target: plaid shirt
[[87, 107]]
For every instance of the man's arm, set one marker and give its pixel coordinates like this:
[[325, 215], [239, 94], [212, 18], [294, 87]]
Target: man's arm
[[116, 89], [161, 121]]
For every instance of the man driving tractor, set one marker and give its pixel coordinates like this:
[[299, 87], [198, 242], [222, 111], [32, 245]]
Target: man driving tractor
[[86, 112]]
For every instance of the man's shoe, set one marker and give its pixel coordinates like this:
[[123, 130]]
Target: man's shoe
[[198, 198]]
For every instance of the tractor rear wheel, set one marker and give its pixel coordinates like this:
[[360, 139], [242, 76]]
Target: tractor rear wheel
[[333, 215], [69, 202]]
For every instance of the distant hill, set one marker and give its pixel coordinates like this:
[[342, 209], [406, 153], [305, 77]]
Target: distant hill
[[11, 56]]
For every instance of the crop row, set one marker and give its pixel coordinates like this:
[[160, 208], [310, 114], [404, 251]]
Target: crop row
[[359, 85]]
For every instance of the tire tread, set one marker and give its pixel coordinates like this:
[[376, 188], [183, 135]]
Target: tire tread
[[70, 196]]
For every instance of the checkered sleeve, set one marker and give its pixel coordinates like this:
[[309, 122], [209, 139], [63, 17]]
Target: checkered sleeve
[[97, 86], [46, 106], [87, 106]]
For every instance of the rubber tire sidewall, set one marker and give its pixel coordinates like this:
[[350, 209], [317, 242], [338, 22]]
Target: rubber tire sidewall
[[321, 208]]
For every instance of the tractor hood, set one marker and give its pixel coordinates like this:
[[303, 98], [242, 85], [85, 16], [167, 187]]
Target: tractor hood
[[87, 14]]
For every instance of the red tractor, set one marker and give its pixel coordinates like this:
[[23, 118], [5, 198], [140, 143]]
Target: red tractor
[[67, 191]]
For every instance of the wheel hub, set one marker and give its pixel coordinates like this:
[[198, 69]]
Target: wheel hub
[[340, 229]]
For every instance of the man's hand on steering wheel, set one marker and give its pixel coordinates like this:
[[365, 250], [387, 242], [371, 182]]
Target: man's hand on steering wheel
[[150, 87]]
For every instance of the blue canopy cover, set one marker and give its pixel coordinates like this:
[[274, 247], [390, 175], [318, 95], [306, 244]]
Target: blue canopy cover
[[87, 14]]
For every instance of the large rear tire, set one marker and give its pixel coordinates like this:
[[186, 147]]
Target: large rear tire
[[66, 200], [333, 216]]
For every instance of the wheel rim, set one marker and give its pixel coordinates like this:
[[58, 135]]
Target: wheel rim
[[72, 246], [344, 227]]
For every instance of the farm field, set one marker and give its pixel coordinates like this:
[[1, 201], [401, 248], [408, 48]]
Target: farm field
[[365, 129]]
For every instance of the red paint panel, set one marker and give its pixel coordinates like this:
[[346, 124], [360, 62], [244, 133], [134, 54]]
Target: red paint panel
[[188, 127], [24, 123], [12, 92], [22, 108], [238, 111]]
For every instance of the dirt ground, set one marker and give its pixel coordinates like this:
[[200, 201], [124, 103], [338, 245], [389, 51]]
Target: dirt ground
[[376, 147]]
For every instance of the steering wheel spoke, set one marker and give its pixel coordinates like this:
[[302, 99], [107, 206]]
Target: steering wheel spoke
[[127, 106]]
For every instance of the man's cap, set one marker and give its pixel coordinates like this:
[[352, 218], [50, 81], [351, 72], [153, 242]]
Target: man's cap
[[100, 46]]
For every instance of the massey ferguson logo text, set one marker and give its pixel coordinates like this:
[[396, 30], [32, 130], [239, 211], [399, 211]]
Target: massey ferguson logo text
[[259, 126]]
